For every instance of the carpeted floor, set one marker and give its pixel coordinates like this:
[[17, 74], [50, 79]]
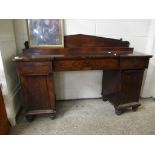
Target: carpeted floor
[[91, 116]]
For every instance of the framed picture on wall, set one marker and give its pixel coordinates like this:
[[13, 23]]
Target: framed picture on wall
[[45, 33]]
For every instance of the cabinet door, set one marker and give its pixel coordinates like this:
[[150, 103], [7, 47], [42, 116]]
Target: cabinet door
[[35, 91], [4, 124], [131, 85], [111, 82]]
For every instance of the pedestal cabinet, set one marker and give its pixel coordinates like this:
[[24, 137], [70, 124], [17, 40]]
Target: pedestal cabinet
[[122, 88], [38, 87]]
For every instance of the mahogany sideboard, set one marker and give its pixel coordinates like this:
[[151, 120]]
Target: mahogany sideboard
[[122, 71]]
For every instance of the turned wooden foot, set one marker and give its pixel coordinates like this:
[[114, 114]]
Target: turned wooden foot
[[104, 98], [135, 108], [118, 111], [52, 116], [29, 118]]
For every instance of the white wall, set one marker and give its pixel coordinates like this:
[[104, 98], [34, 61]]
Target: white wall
[[149, 81], [87, 84], [8, 76]]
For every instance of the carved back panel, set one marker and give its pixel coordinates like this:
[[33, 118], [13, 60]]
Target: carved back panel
[[83, 44], [81, 40]]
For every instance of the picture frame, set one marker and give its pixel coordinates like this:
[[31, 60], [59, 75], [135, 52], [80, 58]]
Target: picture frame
[[45, 33]]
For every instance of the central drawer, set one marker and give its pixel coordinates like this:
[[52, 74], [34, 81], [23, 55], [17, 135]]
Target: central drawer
[[85, 64]]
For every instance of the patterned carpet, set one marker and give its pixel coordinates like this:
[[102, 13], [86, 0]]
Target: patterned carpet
[[92, 116]]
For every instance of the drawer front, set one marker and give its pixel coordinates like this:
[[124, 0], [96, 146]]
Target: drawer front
[[34, 67], [89, 64], [134, 63]]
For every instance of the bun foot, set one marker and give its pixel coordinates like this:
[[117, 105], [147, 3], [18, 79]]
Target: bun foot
[[118, 111], [53, 116], [29, 118], [104, 98], [134, 108]]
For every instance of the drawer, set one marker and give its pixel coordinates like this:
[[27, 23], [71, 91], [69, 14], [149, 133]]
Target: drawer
[[86, 64], [34, 67], [133, 63]]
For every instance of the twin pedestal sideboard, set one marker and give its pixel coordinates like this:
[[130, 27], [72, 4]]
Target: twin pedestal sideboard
[[122, 67]]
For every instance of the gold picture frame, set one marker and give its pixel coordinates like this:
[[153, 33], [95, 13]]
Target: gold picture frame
[[45, 33]]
